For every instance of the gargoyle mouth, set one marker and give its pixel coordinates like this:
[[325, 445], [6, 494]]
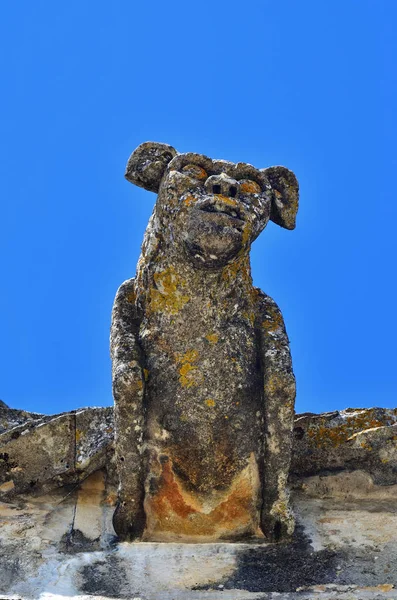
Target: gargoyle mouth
[[220, 207]]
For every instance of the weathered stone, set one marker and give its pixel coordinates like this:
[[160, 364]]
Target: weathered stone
[[329, 448], [86, 529], [351, 439], [57, 539], [339, 548], [53, 451], [202, 377], [33, 454], [94, 434], [11, 417]]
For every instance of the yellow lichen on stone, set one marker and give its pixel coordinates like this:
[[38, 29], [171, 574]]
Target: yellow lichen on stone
[[323, 435], [195, 171], [136, 385], [213, 338], [273, 322], [186, 377], [189, 374], [280, 508], [285, 410], [189, 356], [274, 383], [168, 297], [247, 232], [250, 187], [290, 406], [131, 297], [250, 316], [227, 200], [239, 266], [210, 402], [189, 201]]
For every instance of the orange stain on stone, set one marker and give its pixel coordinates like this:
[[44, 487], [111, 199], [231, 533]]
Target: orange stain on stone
[[250, 187], [195, 171], [189, 201], [174, 513], [171, 494], [227, 200]]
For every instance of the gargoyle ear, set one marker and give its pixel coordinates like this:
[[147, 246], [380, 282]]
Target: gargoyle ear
[[147, 164], [285, 196]]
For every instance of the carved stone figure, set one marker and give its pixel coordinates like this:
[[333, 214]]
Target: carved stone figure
[[202, 376]]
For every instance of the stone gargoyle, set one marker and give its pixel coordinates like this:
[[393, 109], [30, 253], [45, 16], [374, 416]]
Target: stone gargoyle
[[202, 377]]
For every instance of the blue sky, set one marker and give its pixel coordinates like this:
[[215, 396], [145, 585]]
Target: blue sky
[[310, 85]]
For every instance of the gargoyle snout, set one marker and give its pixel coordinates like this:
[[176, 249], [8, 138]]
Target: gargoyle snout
[[222, 184]]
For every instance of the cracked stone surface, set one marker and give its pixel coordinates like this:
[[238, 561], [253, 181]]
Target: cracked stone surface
[[57, 538]]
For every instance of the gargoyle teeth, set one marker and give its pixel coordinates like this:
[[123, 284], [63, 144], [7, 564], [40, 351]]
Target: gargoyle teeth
[[221, 208]]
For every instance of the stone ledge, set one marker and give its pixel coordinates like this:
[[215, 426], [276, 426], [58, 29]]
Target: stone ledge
[[349, 440], [57, 539]]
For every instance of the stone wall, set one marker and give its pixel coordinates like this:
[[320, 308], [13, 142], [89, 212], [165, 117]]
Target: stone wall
[[58, 492]]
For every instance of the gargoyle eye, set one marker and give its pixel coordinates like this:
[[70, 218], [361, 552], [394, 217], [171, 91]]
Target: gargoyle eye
[[195, 171], [248, 186]]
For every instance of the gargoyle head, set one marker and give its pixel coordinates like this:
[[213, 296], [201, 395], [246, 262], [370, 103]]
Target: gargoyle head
[[212, 209]]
